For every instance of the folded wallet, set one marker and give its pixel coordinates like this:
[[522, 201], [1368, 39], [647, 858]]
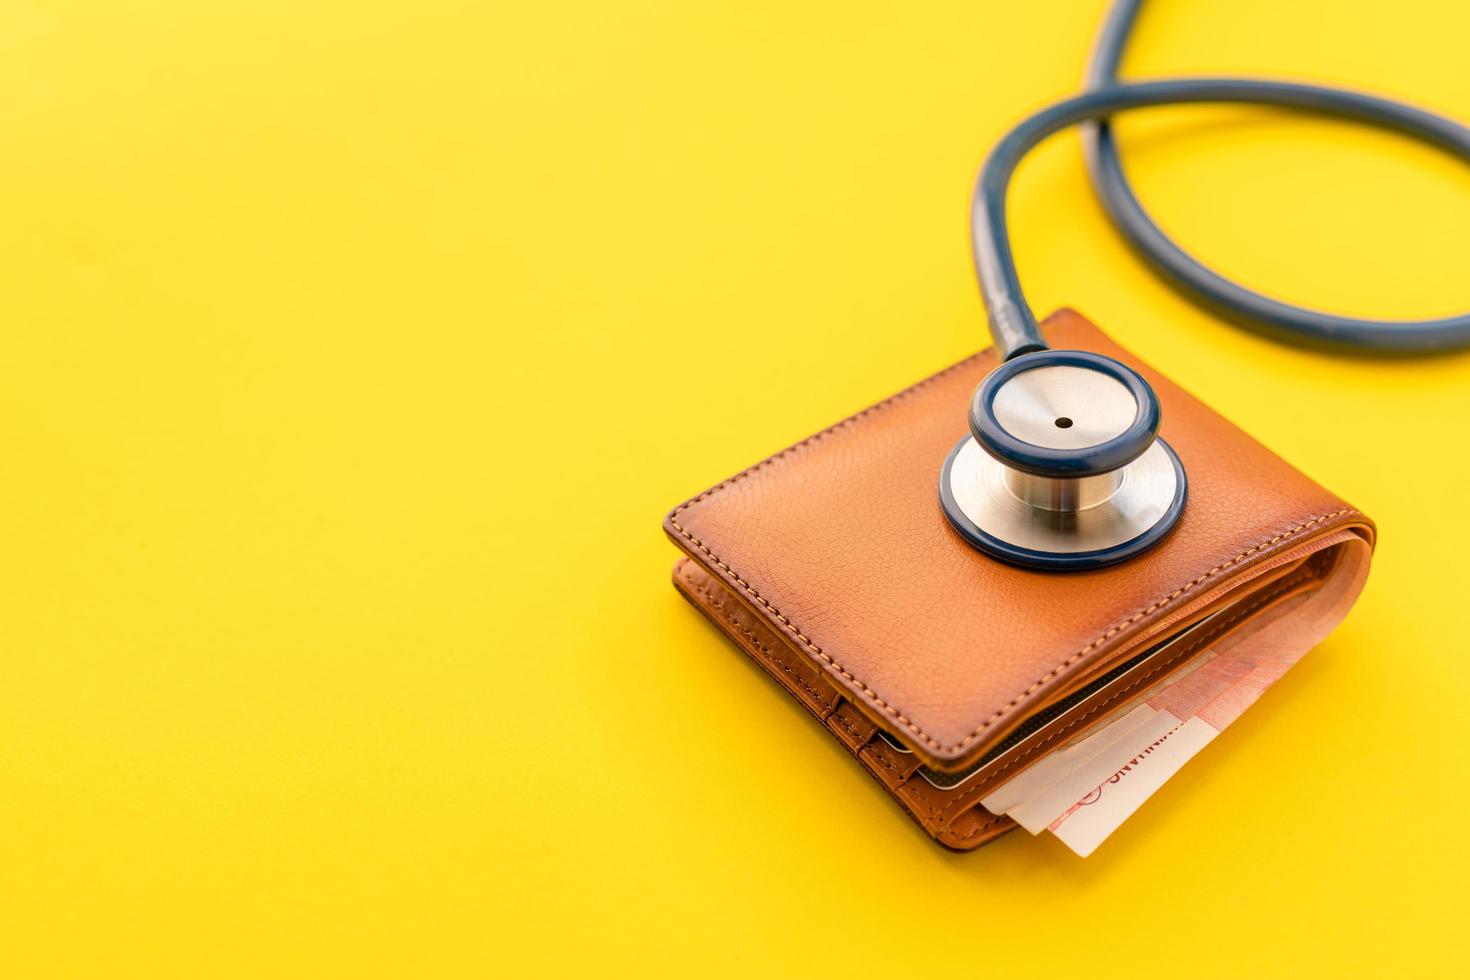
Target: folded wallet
[[945, 672]]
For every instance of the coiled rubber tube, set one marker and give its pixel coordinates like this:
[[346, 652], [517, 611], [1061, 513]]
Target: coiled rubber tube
[[1012, 324]]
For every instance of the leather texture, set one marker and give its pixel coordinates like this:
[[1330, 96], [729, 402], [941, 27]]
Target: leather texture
[[832, 565]]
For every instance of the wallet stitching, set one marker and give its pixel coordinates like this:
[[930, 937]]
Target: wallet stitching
[[1214, 634], [876, 758], [845, 725], [709, 597], [981, 829], [1001, 712], [882, 760]]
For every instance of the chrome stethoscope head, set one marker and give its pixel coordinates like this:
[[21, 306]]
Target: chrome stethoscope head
[[1063, 467]]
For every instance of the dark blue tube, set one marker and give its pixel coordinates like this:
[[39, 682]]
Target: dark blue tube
[[1012, 324]]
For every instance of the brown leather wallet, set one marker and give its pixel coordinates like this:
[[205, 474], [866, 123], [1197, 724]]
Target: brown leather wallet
[[946, 672]]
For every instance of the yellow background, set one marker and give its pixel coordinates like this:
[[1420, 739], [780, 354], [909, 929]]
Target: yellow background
[[353, 352]]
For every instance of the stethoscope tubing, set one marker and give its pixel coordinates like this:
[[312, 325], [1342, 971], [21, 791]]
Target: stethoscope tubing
[[1012, 323]]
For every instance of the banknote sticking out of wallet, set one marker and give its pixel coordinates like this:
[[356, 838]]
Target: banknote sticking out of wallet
[[984, 696]]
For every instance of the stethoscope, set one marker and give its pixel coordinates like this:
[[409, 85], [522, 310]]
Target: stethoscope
[[1063, 468]]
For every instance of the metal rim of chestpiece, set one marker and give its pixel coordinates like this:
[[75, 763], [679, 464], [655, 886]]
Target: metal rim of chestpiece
[[1063, 469]]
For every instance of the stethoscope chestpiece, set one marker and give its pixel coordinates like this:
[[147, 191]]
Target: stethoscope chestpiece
[[1063, 468]]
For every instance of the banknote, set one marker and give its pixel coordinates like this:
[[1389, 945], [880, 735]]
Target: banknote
[[1037, 813], [1088, 822], [1056, 765], [1195, 710]]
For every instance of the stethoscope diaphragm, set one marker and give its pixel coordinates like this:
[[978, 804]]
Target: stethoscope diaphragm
[[1063, 467]]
